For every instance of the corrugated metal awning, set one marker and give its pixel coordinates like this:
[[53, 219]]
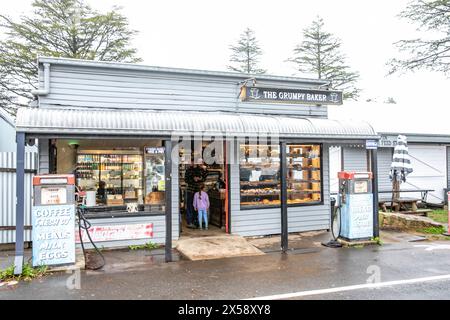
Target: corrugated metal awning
[[166, 123]]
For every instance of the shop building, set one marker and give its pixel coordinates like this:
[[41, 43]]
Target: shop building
[[122, 130], [429, 159]]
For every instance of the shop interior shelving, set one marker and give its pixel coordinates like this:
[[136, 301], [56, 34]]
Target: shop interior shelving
[[120, 173]]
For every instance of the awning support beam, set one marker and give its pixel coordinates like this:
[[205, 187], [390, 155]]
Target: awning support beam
[[374, 169], [168, 198], [283, 194], [20, 202]]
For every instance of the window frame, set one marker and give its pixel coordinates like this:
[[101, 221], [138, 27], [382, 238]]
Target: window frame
[[289, 205], [315, 203]]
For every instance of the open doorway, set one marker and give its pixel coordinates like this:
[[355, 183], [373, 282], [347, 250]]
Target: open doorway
[[211, 174]]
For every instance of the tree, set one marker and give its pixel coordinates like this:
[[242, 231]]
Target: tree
[[431, 51], [390, 100], [245, 55], [319, 55], [57, 28]]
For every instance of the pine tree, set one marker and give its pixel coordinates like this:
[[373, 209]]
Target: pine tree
[[245, 55], [319, 55], [57, 28], [431, 52]]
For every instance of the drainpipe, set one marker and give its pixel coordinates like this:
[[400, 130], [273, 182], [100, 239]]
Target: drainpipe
[[46, 90]]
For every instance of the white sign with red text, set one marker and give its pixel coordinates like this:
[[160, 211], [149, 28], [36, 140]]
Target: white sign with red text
[[117, 232]]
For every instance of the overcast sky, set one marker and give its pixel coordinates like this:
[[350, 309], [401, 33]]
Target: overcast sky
[[197, 34]]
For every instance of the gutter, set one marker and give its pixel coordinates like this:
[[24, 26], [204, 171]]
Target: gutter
[[189, 72], [46, 90]]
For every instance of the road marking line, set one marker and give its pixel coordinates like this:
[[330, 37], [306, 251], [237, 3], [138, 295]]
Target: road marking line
[[350, 288], [431, 247]]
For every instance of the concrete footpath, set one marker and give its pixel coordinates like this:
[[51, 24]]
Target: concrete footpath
[[308, 267]]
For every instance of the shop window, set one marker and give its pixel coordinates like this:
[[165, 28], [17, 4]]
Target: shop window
[[304, 179], [121, 180], [259, 175]]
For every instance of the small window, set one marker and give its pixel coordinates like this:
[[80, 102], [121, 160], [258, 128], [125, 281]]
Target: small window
[[304, 178], [259, 175]]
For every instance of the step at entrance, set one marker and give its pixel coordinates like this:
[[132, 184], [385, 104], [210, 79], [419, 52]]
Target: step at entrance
[[205, 248]]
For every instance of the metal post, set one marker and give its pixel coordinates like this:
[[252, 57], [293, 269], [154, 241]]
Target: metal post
[[374, 162], [283, 194], [20, 202], [168, 198]]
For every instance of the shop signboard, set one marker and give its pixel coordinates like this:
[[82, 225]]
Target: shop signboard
[[117, 232], [53, 234], [301, 96], [371, 144], [154, 150], [388, 141]]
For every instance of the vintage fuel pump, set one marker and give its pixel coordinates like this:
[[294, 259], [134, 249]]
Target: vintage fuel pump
[[356, 204], [53, 220]]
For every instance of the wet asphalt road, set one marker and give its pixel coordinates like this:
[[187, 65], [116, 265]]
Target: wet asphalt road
[[247, 277]]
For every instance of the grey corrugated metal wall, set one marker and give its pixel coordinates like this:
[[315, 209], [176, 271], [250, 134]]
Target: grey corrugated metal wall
[[130, 89], [354, 159], [8, 194], [268, 221], [384, 167]]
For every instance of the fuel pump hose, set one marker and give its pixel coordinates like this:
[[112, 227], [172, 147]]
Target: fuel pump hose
[[84, 224]]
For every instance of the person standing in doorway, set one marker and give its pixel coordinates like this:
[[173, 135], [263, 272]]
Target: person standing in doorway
[[194, 177], [201, 205]]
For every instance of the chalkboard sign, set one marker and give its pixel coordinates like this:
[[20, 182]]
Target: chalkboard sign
[[53, 235]]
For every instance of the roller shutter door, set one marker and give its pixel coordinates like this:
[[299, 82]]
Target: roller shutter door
[[430, 171]]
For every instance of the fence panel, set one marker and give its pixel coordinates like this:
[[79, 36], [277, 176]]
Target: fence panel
[[8, 194]]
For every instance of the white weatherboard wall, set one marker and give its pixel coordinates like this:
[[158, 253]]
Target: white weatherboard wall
[[429, 163], [7, 136], [260, 222], [94, 87], [347, 159], [335, 167]]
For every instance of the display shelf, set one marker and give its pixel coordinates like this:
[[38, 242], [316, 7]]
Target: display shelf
[[113, 169], [303, 174], [257, 183], [305, 191], [293, 180], [277, 193], [292, 166]]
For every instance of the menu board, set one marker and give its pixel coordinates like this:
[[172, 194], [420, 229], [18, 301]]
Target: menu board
[[53, 235]]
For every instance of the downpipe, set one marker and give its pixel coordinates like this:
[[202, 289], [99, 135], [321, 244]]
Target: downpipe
[[46, 90]]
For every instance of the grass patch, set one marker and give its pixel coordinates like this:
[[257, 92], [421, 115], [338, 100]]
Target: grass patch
[[433, 230], [440, 216], [28, 273], [377, 240], [147, 246]]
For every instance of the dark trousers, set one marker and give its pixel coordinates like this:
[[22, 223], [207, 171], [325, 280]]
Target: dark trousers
[[190, 212]]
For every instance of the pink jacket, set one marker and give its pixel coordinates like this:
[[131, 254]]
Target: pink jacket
[[201, 203]]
